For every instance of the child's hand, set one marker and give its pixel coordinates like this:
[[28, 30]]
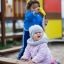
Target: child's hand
[[36, 9], [24, 58], [30, 62]]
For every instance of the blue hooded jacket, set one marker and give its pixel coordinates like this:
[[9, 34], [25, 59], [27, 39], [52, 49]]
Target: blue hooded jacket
[[32, 18]]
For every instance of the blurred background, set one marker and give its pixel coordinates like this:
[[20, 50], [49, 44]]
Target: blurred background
[[12, 15], [11, 23]]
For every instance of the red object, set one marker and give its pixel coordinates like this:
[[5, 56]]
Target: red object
[[52, 5]]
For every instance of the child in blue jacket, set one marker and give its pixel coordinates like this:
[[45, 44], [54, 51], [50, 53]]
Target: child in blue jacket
[[32, 17]]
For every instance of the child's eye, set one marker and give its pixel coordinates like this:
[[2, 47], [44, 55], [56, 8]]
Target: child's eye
[[37, 32]]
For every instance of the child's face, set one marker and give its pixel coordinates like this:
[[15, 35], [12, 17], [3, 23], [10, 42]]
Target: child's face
[[37, 36], [34, 6]]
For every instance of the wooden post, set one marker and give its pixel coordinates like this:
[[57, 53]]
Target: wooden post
[[3, 22]]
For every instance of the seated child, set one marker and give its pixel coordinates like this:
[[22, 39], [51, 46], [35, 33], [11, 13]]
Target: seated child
[[37, 50]]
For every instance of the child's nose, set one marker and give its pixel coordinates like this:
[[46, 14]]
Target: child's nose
[[38, 33]]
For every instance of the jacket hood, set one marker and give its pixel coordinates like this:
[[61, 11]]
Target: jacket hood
[[44, 39]]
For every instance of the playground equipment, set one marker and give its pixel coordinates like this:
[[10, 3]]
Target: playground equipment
[[15, 10], [11, 10], [54, 26]]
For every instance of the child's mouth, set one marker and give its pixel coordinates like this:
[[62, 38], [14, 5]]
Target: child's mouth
[[38, 36]]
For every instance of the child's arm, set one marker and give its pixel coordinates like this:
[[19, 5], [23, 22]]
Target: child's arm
[[26, 55], [40, 55], [42, 11]]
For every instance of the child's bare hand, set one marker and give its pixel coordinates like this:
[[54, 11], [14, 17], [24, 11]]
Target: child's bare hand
[[37, 9], [24, 58], [30, 62]]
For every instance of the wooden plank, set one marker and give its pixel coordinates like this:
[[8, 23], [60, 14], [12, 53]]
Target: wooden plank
[[0, 35], [11, 61], [52, 6], [53, 15], [12, 34], [56, 40], [63, 34], [54, 28], [3, 23], [10, 50], [7, 61]]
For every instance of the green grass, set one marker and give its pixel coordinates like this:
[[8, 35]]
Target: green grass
[[10, 44], [4, 47]]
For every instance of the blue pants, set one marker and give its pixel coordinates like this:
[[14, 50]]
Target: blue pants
[[24, 44]]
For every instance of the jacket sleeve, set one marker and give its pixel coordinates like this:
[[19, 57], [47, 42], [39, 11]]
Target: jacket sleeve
[[26, 54], [41, 10], [40, 55]]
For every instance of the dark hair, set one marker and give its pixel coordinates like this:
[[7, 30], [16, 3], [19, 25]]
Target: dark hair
[[30, 3]]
